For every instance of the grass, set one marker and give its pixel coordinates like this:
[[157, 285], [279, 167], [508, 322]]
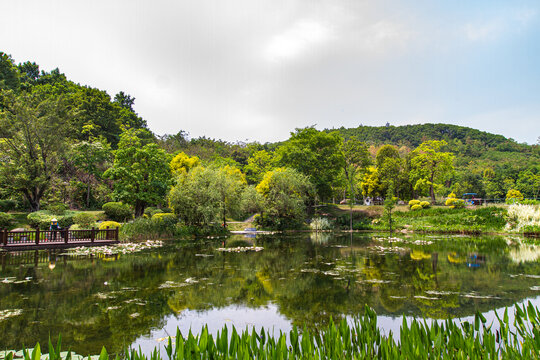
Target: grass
[[444, 219], [363, 339]]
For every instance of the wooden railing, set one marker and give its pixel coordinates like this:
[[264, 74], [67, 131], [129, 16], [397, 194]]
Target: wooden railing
[[56, 237]]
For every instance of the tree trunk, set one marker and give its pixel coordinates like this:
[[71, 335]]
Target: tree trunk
[[88, 196], [139, 208], [431, 192]]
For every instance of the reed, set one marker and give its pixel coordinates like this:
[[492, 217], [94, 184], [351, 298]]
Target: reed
[[362, 339]]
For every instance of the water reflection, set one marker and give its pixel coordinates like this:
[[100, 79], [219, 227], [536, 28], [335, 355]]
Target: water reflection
[[307, 279]]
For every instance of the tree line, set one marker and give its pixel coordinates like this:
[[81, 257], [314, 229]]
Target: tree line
[[62, 142]]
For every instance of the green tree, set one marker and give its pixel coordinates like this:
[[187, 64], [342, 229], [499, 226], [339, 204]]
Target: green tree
[[9, 74], [204, 196], [315, 154], [285, 192], [90, 158], [257, 165], [356, 159], [33, 132], [141, 171], [430, 166], [389, 167], [389, 204]]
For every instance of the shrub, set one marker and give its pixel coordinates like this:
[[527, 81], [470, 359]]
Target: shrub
[[57, 208], [7, 205], [425, 204], [521, 216], [318, 224], [5, 220], [416, 207], [109, 225], [165, 218], [454, 203], [413, 202], [84, 220], [513, 196], [66, 220], [150, 211], [117, 211], [40, 219]]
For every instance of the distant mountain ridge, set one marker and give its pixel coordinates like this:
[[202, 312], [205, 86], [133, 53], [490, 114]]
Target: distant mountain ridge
[[414, 135]]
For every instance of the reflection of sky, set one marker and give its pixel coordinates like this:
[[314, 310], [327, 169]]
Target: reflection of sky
[[269, 318], [241, 317]]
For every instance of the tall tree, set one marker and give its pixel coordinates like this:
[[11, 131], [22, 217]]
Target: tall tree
[[356, 158], [430, 166], [33, 133], [315, 154], [140, 171], [285, 192], [90, 159]]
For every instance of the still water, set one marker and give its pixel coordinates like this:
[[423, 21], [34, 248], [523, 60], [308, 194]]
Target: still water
[[138, 299]]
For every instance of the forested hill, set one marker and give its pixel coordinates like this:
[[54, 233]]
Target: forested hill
[[414, 135]]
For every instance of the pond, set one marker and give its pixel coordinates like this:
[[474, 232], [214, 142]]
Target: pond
[[140, 298]]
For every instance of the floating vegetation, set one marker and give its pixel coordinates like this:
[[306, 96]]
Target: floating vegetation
[[4, 314], [241, 249], [403, 241], [122, 248]]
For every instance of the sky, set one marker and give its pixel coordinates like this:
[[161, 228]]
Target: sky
[[255, 70]]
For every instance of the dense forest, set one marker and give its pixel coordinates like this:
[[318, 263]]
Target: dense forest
[[62, 142]]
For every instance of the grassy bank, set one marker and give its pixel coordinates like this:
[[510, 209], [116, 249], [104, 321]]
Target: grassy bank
[[519, 339], [443, 219]]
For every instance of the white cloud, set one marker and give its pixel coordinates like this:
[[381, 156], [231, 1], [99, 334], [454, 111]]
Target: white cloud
[[296, 40], [483, 31]]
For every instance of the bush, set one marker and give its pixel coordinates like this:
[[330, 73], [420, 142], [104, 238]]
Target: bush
[[84, 220], [416, 207], [165, 218], [7, 205], [66, 221], [513, 196], [318, 224], [117, 211], [57, 208], [425, 204], [5, 220], [109, 225], [150, 211], [40, 219], [413, 203], [456, 203]]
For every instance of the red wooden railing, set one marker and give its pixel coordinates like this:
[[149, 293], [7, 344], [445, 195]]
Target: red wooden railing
[[64, 236]]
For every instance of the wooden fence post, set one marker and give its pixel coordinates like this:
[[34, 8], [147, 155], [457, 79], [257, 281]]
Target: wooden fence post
[[116, 234], [66, 235], [4, 236], [37, 236], [93, 234]]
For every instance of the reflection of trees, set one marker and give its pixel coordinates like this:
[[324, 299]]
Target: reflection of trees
[[95, 302]]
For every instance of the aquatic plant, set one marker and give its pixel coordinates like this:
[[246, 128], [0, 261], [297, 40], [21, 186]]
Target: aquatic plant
[[241, 249], [362, 339], [122, 248], [320, 223]]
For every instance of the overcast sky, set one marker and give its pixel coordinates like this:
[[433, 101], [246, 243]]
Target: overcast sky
[[249, 69]]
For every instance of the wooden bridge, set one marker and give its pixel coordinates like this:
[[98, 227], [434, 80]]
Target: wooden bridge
[[51, 239]]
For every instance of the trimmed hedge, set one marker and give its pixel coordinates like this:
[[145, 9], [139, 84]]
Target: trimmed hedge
[[116, 211]]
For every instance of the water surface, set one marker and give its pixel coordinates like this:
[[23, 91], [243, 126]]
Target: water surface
[[140, 298]]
